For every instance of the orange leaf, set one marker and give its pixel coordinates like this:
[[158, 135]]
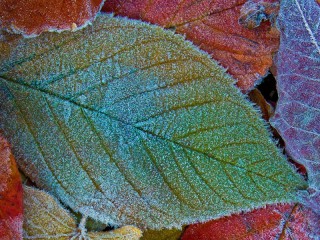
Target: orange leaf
[[32, 17], [213, 26], [10, 195], [283, 222]]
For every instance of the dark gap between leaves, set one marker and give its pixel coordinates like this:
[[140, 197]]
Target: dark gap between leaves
[[268, 88]]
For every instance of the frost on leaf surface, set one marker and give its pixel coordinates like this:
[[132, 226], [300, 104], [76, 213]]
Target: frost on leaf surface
[[45, 218], [10, 195], [130, 124], [213, 25], [297, 114], [285, 221], [32, 17]]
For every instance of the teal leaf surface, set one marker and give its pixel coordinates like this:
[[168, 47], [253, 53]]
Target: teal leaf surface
[[130, 124]]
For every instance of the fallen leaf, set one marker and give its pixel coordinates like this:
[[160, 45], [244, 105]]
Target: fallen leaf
[[285, 222], [164, 234], [297, 113], [45, 218], [213, 26], [10, 195], [132, 125], [32, 17], [123, 233]]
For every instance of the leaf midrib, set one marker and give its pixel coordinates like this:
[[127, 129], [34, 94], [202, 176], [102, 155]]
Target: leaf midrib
[[211, 156], [307, 26]]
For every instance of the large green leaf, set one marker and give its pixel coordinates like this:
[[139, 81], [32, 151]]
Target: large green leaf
[[130, 124]]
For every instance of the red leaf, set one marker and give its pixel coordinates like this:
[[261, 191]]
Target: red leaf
[[273, 222], [297, 114], [213, 26], [10, 195], [32, 17]]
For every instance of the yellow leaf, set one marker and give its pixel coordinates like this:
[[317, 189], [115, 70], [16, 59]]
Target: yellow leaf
[[124, 233], [45, 218]]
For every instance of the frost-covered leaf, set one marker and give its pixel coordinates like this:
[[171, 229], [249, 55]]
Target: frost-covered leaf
[[10, 195], [285, 222], [45, 218], [213, 26], [297, 114], [130, 124], [32, 17]]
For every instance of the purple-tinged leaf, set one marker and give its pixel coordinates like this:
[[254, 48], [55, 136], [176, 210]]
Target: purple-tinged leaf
[[297, 115]]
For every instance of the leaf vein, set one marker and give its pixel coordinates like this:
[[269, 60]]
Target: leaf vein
[[306, 24], [216, 158], [77, 157], [204, 129], [166, 181], [92, 87], [205, 180], [184, 176], [38, 145], [234, 184]]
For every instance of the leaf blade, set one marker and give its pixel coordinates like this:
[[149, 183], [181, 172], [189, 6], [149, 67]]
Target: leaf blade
[[45, 218], [297, 114], [148, 122]]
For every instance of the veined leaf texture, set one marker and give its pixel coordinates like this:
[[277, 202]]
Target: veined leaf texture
[[213, 25], [297, 114], [131, 124], [278, 221], [45, 218]]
